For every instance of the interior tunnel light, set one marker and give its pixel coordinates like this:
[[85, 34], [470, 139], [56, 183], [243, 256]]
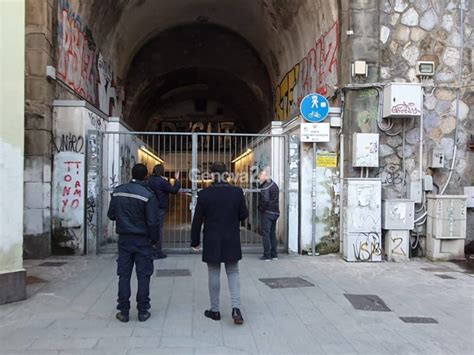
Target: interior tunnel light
[[151, 154], [243, 155]]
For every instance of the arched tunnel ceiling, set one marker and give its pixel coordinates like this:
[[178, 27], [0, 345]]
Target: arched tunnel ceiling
[[279, 30], [198, 61]]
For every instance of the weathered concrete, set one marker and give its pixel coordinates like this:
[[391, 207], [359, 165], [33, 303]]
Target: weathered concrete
[[12, 94]]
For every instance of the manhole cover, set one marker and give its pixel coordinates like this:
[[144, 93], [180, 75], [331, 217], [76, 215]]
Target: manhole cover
[[446, 277], [34, 280], [367, 303], [52, 263], [420, 320], [437, 269], [172, 272], [286, 282]]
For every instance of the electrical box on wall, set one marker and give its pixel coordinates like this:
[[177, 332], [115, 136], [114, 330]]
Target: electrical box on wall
[[398, 214], [361, 229], [415, 193], [436, 158], [446, 217], [469, 192], [365, 150], [402, 100]]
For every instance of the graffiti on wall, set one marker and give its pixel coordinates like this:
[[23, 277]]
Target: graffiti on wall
[[316, 72], [368, 247], [69, 143], [80, 64]]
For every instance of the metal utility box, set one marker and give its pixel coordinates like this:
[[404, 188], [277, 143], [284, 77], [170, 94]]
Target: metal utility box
[[446, 226], [469, 192], [402, 100], [415, 193], [398, 214], [436, 158], [362, 200], [397, 245], [365, 150]]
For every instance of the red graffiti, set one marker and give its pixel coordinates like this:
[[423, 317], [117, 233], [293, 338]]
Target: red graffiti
[[406, 108], [77, 54], [316, 72], [69, 200]]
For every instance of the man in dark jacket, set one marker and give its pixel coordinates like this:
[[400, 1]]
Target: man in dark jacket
[[133, 208], [221, 207], [162, 189], [269, 208]]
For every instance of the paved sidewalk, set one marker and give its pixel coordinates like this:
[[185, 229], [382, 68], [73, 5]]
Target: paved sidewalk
[[73, 311]]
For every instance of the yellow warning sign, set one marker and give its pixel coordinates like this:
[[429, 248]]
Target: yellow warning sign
[[326, 160]]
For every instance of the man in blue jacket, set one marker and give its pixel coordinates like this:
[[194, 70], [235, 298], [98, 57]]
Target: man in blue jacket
[[162, 188], [133, 207]]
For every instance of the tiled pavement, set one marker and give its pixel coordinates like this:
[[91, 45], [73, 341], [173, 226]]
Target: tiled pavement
[[73, 311]]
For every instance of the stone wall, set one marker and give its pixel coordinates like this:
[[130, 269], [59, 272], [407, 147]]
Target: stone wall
[[39, 93], [412, 31]]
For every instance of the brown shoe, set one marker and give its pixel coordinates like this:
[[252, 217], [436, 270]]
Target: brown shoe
[[237, 316]]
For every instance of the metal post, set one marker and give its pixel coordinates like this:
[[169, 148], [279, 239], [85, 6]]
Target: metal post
[[194, 171], [313, 196]]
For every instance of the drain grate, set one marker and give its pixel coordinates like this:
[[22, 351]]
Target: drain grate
[[52, 263], [367, 303], [34, 280], [437, 269], [286, 282], [419, 320], [445, 277], [172, 272]]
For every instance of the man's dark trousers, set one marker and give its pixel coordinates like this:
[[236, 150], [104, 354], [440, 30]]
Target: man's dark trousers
[[268, 231], [161, 219], [134, 250]]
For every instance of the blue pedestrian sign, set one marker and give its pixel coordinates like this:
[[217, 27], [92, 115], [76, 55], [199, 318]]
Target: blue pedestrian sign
[[314, 108]]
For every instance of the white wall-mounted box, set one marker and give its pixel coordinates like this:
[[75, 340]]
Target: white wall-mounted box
[[436, 158], [365, 150], [398, 214], [446, 217], [415, 193], [469, 192], [402, 100], [362, 206]]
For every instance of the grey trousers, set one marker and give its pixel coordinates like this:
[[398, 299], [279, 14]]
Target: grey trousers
[[232, 271]]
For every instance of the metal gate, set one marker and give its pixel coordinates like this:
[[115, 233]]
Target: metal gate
[[111, 156]]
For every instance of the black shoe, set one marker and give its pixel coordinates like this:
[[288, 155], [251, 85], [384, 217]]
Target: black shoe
[[237, 316], [160, 256], [264, 258], [213, 315], [123, 317], [143, 316]]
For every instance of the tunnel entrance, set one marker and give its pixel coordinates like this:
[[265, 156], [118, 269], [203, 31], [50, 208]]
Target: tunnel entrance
[[196, 94], [111, 156]]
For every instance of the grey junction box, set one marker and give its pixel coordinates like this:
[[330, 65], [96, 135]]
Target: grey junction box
[[398, 214]]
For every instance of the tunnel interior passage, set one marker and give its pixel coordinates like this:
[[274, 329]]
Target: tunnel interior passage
[[198, 77]]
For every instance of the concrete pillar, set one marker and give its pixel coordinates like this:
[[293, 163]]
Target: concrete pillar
[[38, 127], [12, 64]]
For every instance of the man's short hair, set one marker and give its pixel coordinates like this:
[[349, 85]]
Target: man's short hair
[[159, 170], [139, 172], [218, 168]]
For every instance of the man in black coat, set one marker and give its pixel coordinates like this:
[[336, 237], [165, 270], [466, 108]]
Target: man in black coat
[[162, 189], [221, 207], [133, 208], [269, 208]]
